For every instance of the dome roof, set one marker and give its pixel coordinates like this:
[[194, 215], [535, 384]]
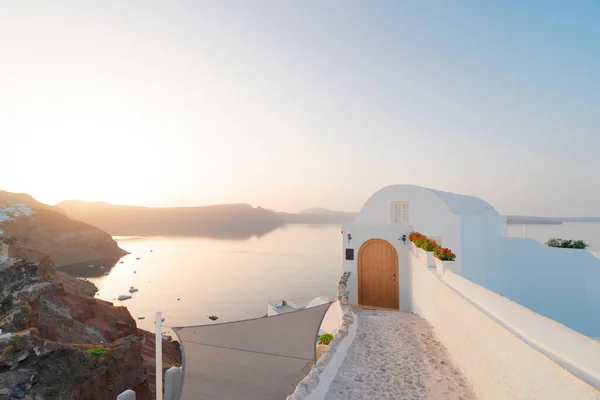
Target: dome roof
[[460, 204], [456, 203]]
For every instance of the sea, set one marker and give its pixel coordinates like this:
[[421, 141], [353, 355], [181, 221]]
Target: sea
[[191, 278]]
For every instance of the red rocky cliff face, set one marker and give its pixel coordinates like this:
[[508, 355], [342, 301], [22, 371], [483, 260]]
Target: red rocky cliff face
[[125, 369], [65, 321]]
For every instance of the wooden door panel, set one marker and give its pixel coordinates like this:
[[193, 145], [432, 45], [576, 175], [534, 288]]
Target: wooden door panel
[[378, 274]]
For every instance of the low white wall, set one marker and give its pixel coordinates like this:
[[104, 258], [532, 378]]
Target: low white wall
[[315, 385], [173, 378], [561, 284], [574, 351], [495, 361]]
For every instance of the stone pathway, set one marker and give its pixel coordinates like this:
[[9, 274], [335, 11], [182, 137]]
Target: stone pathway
[[395, 356]]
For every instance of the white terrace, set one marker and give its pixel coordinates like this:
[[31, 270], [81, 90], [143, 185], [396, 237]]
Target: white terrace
[[509, 319]]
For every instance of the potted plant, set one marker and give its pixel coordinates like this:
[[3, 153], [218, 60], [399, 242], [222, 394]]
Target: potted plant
[[326, 338], [413, 236], [445, 260], [567, 243], [428, 246]]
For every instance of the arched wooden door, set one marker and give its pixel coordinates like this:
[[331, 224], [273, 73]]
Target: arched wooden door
[[378, 274]]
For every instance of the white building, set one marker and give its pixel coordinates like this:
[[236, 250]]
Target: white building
[[550, 281]]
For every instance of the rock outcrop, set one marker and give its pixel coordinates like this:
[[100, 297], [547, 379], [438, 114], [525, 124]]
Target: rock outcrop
[[58, 341], [46, 230], [56, 329]]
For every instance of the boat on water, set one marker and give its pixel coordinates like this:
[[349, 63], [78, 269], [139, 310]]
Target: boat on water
[[121, 262], [105, 273], [124, 297], [141, 317], [133, 289], [138, 258], [91, 266]]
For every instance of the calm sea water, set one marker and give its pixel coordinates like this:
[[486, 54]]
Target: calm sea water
[[233, 279]]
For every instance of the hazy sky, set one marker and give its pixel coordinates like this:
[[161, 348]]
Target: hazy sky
[[293, 104]]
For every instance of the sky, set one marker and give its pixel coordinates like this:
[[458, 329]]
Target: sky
[[294, 104]]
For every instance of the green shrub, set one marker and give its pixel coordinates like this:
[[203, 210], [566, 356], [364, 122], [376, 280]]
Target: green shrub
[[326, 338], [98, 352], [419, 240], [429, 245], [414, 236], [444, 254], [25, 309], [566, 243]]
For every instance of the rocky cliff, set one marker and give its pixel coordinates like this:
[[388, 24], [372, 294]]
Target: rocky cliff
[[57, 340], [45, 229]]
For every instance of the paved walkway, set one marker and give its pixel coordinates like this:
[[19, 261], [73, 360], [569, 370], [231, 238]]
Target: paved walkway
[[395, 356]]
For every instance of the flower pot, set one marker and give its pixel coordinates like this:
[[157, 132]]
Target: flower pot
[[413, 248], [443, 266], [427, 258]]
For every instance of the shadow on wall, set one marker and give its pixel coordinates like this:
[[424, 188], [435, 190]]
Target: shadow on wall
[[561, 284]]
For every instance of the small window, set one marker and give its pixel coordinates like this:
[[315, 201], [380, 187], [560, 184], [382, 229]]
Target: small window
[[401, 212], [349, 254]]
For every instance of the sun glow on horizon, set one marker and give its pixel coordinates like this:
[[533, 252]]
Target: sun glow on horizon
[[298, 105]]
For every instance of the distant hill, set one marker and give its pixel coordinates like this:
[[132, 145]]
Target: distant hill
[[221, 221], [582, 219], [234, 221], [30, 227], [524, 220]]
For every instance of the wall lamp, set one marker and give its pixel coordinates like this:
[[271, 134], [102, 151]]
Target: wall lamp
[[403, 238]]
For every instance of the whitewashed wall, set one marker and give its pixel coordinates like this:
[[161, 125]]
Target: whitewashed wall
[[561, 284], [429, 214], [470, 227], [480, 234], [494, 360], [391, 233]]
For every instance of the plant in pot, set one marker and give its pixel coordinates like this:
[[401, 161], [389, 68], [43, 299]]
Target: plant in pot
[[326, 338], [445, 260], [419, 240], [413, 236], [428, 245]]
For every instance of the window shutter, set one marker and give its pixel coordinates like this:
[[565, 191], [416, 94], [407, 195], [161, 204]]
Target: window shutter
[[401, 212]]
